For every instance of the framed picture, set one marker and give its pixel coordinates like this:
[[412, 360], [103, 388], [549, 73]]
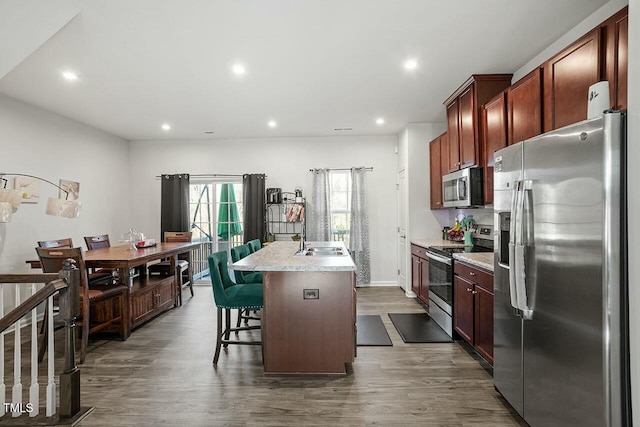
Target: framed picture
[[29, 188], [72, 187]]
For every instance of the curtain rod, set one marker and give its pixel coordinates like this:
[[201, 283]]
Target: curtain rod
[[370, 168], [207, 175]]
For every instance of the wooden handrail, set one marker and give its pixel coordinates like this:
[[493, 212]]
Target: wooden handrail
[[32, 302], [27, 278]]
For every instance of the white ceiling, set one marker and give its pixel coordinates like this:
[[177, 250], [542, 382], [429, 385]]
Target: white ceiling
[[311, 65]]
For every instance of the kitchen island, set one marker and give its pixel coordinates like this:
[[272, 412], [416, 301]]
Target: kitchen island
[[309, 315]]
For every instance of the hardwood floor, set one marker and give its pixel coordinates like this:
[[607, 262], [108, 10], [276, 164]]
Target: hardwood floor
[[163, 375]]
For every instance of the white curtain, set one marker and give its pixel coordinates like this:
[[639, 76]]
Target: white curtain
[[318, 209], [359, 229]]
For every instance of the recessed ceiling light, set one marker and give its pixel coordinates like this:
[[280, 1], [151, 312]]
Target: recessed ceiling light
[[70, 75], [166, 126], [239, 69], [272, 123], [209, 131], [410, 64], [380, 121]]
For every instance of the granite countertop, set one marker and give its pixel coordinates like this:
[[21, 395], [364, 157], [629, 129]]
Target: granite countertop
[[425, 243], [281, 256], [479, 259]]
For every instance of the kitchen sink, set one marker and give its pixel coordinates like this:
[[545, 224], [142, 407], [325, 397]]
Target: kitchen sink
[[322, 251]]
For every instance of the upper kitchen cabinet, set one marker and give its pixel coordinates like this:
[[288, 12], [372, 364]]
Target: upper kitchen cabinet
[[464, 118], [524, 106], [615, 33], [567, 77], [494, 118], [438, 164]]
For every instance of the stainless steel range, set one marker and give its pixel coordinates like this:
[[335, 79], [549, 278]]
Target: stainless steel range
[[441, 276]]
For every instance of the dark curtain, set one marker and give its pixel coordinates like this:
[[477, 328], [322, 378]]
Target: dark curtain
[[253, 204], [174, 205]]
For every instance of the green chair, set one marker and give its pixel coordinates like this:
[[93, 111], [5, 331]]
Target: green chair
[[242, 277], [228, 296], [254, 245]]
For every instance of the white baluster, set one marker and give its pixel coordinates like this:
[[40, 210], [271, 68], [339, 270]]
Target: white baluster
[[51, 381], [16, 397], [3, 389], [34, 389]]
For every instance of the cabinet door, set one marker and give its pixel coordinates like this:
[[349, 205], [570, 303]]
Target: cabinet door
[[454, 137], [435, 174], [468, 128], [165, 295], [495, 138], [415, 274], [567, 77], [525, 107], [463, 308], [484, 323], [616, 32], [142, 305], [444, 155], [424, 281]]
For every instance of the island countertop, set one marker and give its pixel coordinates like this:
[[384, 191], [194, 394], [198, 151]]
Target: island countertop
[[281, 256]]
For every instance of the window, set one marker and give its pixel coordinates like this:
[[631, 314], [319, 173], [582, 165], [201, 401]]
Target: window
[[340, 202]]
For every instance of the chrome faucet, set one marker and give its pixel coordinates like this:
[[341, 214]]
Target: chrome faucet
[[302, 235]]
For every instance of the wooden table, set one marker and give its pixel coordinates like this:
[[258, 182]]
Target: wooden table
[[148, 295]]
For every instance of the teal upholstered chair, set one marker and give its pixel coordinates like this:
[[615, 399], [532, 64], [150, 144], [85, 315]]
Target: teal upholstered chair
[[229, 295], [237, 254], [254, 245]]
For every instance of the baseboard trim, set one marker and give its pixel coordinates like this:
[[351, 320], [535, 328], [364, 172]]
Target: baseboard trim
[[379, 283]]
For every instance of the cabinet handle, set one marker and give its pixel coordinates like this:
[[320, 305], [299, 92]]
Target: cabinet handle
[[474, 292], [471, 273], [469, 290]]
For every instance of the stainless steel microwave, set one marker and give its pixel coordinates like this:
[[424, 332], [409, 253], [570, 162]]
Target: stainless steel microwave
[[463, 189]]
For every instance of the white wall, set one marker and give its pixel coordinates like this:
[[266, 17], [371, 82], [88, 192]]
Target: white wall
[[286, 162], [37, 142], [633, 176], [575, 33]]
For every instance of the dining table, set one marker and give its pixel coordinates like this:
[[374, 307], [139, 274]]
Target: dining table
[[148, 295]]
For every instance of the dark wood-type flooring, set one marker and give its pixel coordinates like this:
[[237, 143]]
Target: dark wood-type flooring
[[163, 375]]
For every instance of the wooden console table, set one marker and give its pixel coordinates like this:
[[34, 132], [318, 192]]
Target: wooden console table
[[148, 295]]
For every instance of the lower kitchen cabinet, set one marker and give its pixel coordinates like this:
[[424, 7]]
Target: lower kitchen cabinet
[[473, 307], [420, 273]]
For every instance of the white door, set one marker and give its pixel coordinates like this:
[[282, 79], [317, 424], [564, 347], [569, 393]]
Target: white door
[[402, 230]]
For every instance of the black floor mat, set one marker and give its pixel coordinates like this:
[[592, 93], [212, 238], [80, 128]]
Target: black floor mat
[[371, 331], [418, 328]]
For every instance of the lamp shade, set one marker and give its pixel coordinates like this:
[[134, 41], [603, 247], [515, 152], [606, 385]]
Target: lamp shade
[[5, 211], [64, 208], [10, 196]]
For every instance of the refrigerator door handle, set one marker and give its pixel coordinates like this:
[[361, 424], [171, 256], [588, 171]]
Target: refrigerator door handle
[[525, 241], [513, 293]]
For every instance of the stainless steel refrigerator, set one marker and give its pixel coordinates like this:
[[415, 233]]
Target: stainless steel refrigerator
[[560, 293]]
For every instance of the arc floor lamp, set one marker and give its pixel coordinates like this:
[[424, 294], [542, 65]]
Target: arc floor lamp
[[10, 200]]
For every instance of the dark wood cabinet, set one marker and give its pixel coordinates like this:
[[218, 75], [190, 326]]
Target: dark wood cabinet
[[524, 106], [453, 152], [615, 32], [420, 273], [150, 296], [494, 116], [465, 127], [473, 307], [567, 77], [437, 167]]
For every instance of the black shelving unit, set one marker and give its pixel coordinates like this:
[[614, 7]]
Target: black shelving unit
[[276, 216]]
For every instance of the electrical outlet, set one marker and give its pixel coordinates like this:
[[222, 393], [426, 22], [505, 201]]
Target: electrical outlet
[[310, 294]]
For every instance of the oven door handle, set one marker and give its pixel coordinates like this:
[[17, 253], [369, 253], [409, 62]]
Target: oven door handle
[[438, 258]]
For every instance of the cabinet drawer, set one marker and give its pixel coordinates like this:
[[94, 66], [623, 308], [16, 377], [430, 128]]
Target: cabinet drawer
[[419, 251], [475, 275]]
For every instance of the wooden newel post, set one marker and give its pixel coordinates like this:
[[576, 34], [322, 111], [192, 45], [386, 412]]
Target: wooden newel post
[[69, 311]]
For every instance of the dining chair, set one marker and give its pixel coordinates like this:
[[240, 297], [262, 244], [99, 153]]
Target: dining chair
[[108, 300], [254, 245], [59, 243], [104, 275], [183, 262], [228, 296]]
